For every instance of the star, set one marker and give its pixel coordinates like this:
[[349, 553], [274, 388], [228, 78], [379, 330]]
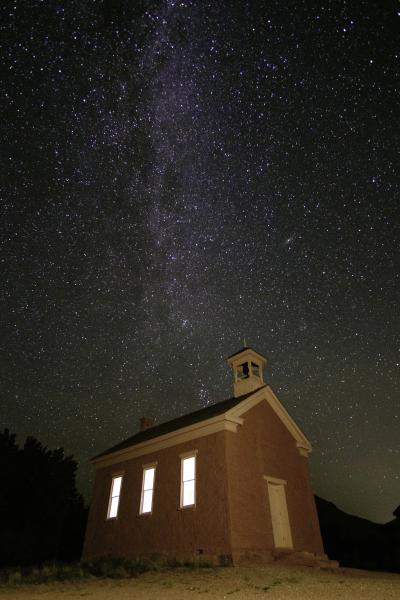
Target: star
[[177, 174]]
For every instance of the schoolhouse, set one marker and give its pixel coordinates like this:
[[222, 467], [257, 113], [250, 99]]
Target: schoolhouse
[[228, 483]]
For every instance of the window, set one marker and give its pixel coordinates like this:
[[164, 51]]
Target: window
[[114, 497], [255, 369], [188, 480], [146, 501], [243, 371]]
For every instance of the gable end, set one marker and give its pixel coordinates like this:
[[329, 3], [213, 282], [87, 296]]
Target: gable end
[[302, 443]]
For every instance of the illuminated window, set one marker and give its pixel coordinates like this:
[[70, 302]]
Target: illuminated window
[[146, 501], [188, 480], [114, 497]]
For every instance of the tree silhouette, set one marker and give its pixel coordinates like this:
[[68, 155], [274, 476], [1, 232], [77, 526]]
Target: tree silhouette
[[42, 515]]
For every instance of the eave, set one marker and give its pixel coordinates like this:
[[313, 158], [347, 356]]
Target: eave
[[223, 422], [302, 443]]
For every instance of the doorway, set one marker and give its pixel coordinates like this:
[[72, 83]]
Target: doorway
[[279, 513]]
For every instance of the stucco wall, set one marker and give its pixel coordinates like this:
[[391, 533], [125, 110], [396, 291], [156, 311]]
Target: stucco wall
[[168, 530], [264, 446], [232, 515]]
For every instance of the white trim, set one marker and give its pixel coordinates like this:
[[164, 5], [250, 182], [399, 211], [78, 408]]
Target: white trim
[[114, 476], [302, 443], [222, 422], [275, 480], [238, 357], [186, 456], [150, 465], [147, 467], [275, 483], [303, 451], [227, 421]]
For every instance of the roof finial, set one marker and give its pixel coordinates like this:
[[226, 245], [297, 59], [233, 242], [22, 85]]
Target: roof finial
[[244, 342]]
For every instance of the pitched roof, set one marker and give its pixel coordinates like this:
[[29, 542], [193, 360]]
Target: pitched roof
[[239, 352], [184, 421], [246, 350]]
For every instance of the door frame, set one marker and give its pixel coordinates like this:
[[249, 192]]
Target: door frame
[[282, 483]]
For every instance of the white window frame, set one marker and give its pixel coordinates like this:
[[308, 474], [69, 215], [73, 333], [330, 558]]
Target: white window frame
[[112, 496], [183, 457], [147, 467]]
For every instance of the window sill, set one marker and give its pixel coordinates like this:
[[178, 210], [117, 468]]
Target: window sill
[[147, 514], [188, 507]]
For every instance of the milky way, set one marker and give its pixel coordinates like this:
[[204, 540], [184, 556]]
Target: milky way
[[180, 175]]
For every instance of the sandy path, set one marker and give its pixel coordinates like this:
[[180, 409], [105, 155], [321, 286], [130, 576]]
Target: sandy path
[[242, 583]]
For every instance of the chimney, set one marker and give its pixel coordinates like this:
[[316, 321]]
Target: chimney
[[145, 423]]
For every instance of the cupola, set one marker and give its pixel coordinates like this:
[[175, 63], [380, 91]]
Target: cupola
[[247, 367]]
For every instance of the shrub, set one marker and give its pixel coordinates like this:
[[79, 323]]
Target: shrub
[[116, 567], [14, 578], [111, 567]]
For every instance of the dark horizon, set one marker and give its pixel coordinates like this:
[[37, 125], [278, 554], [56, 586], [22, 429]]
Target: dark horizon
[[179, 176]]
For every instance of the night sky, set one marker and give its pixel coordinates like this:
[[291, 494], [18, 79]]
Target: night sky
[[178, 176]]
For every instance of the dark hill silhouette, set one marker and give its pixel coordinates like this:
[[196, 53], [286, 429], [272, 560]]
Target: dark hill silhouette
[[357, 542]]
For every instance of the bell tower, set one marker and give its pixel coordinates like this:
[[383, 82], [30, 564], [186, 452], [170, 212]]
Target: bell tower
[[247, 366]]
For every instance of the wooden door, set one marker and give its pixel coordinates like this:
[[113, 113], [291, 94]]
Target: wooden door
[[279, 515]]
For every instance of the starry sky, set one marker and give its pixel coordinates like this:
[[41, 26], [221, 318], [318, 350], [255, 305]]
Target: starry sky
[[180, 175]]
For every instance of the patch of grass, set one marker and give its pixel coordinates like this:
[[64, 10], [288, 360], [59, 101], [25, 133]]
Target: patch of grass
[[47, 572], [13, 578], [109, 567], [105, 567], [120, 568]]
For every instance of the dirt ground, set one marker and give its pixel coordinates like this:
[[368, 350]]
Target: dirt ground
[[241, 583]]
